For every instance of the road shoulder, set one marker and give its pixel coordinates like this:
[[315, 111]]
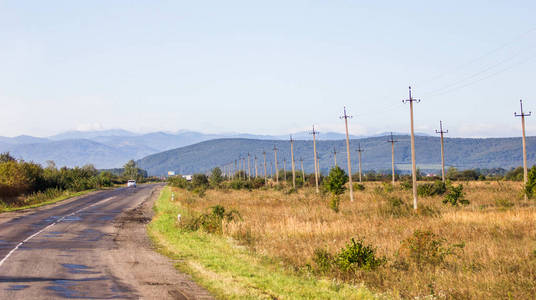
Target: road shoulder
[[135, 261]]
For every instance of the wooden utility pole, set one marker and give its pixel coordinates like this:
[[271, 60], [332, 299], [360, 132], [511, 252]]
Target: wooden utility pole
[[292, 162], [249, 168], [256, 172], [392, 141], [302, 170], [276, 167], [240, 167], [272, 170], [441, 132], [244, 167], [314, 133], [235, 168], [335, 155], [346, 117], [523, 115], [359, 151], [285, 169], [413, 163], [318, 164], [264, 156]]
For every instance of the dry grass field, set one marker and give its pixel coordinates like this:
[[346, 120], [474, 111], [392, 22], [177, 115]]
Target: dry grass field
[[488, 248]]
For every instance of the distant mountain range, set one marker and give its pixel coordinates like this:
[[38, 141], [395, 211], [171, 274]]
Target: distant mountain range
[[462, 153], [113, 148]]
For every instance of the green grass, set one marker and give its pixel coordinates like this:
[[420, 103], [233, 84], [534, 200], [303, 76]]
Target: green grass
[[230, 271], [65, 196]]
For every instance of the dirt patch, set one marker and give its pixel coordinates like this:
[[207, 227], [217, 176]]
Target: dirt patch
[[134, 259]]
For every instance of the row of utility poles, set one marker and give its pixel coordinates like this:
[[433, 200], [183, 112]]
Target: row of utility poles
[[240, 164]]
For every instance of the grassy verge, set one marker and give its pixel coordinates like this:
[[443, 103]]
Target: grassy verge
[[232, 272], [66, 195]]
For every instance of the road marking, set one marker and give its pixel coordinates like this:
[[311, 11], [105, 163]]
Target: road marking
[[50, 225]]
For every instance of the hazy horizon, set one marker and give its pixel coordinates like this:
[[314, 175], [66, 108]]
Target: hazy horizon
[[320, 136]]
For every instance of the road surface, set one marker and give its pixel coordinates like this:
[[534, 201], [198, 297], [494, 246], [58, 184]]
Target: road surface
[[90, 247]]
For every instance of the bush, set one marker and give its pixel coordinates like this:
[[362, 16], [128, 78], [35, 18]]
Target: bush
[[455, 195], [323, 260], [258, 182], [334, 203], [406, 185], [426, 248], [200, 181], [358, 256], [238, 184], [216, 178], [530, 187], [359, 187], [43, 196], [431, 189], [423, 247], [178, 182], [395, 207], [335, 181], [387, 187], [212, 222]]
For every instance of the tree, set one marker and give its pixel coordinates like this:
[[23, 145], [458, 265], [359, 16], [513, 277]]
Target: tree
[[530, 187], [51, 165], [130, 170], [215, 177], [451, 173], [6, 157], [336, 180], [200, 181]]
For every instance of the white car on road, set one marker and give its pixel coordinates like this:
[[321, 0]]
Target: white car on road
[[131, 183]]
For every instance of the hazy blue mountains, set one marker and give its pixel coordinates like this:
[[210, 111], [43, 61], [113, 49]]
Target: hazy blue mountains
[[462, 153]]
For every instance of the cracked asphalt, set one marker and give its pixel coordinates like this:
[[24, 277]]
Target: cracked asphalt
[[89, 247]]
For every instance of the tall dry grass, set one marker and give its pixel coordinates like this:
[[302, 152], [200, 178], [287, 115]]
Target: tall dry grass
[[498, 230]]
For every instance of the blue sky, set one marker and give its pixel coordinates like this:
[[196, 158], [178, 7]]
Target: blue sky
[[269, 67]]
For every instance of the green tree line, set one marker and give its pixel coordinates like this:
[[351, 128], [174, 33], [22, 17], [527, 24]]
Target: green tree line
[[19, 178]]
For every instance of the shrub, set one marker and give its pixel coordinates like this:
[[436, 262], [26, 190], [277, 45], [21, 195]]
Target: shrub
[[335, 181], [43, 196], [431, 189], [334, 203], [358, 256], [387, 187], [212, 222], [504, 203], [179, 182], [530, 187], [200, 191], [215, 178], [200, 180], [323, 260], [238, 184], [359, 187], [423, 247], [257, 183], [455, 195], [406, 185], [395, 207], [426, 248]]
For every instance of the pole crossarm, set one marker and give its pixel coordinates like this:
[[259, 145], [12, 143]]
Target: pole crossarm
[[440, 131], [522, 114], [392, 140], [411, 99]]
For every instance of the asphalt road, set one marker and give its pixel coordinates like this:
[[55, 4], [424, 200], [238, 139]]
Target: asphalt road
[[59, 251]]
